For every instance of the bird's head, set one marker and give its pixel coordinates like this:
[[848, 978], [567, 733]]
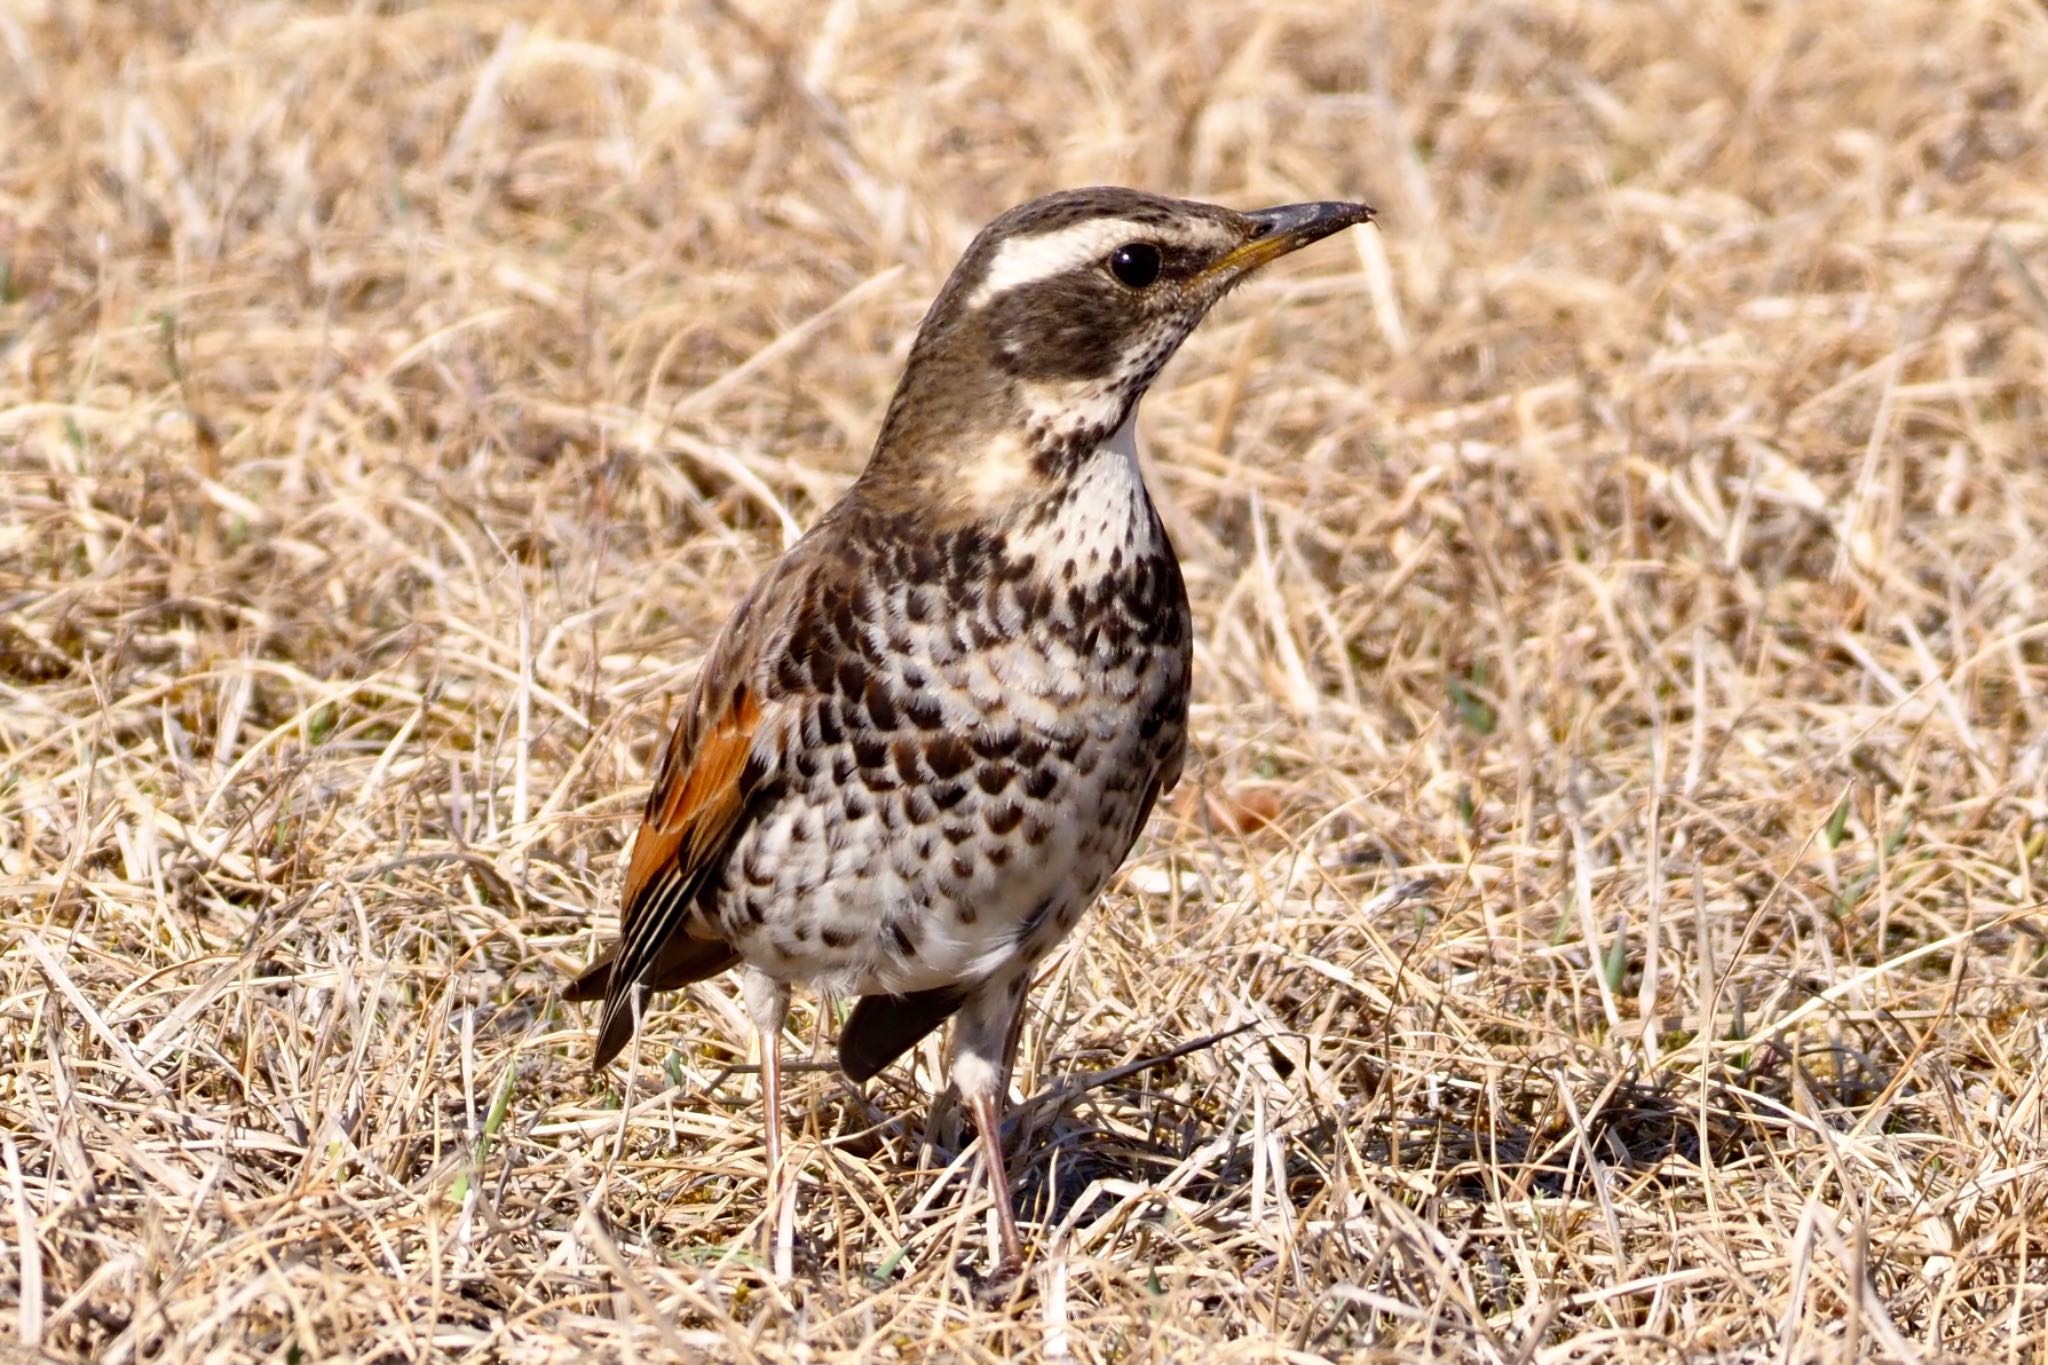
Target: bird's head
[[1055, 321]]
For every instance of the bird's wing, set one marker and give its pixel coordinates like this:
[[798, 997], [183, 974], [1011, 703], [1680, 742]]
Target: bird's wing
[[718, 756]]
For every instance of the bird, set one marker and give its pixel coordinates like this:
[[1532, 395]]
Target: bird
[[930, 733]]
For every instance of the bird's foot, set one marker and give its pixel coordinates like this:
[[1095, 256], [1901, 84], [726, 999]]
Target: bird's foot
[[1005, 1284], [786, 1254]]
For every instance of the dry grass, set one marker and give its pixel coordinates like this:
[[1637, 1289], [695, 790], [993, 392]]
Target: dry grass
[[1619, 791]]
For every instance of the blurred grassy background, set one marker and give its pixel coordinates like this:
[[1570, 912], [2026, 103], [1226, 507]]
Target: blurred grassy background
[[1618, 780]]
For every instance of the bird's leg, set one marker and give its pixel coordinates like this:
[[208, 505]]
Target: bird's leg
[[983, 1039], [988, 1121], [767, 1002]]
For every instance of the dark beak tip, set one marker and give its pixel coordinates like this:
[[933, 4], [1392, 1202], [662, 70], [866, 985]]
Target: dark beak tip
[[1311, 221]]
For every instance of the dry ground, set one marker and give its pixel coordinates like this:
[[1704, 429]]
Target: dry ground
[[1619, 793]]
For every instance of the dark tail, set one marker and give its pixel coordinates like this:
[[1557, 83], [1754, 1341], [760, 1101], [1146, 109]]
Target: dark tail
[[884, 1027], [681, 961], [591, 985]]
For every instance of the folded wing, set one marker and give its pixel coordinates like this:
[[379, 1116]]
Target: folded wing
[[718, 760]]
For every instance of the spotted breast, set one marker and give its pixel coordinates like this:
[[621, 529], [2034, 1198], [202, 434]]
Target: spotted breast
[[974, 727]]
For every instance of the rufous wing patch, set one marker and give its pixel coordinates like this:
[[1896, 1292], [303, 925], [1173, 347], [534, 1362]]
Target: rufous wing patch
[[692, 815], [696, 801]]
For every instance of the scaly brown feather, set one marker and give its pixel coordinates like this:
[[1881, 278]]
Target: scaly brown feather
[[696, 808]]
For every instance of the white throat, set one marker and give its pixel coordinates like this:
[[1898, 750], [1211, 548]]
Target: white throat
[[1123, 444], [1104, 520]]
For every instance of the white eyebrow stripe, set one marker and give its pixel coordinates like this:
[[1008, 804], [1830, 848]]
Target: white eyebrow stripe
[[1041, 256]]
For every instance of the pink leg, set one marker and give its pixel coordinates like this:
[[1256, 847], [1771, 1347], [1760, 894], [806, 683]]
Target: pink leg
[[768, 1002], [988, 1121], [984, 1037]]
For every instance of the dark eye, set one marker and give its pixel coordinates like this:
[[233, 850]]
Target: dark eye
[[1135, 263]]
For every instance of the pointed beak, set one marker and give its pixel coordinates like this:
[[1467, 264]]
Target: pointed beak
[[1287, 228]]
